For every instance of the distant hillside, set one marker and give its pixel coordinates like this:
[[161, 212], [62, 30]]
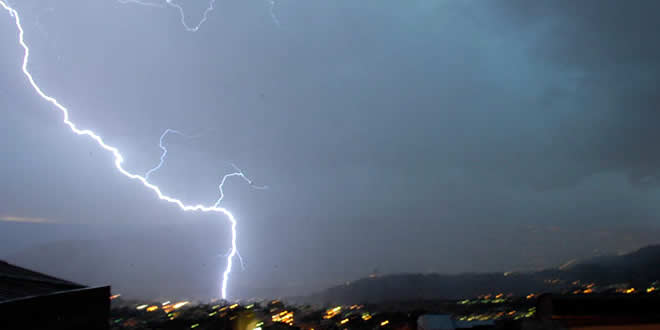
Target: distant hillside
[[637, 269]]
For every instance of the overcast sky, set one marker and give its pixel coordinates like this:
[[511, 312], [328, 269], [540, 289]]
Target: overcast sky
[[407, 136]]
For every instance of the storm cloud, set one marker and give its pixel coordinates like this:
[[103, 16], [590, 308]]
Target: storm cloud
[[400, 135]]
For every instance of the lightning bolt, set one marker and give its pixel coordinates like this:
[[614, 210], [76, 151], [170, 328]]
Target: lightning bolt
[[182, 12], [164, 149], [183, 15], [238, 173], [119, 159], [238, 254]]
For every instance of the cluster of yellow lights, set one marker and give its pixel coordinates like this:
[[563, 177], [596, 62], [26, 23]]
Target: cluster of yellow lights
[[511, 314], [284, 317], [356, 307], [166, 306], [485, 299], [233, 306], [651, 289], [366, 316], [344, 321], [481, 317], [494, 296], [180, 304], [330, 313], [626, 291], [531, 295], [172, 316], [589, 288], [384, 323]]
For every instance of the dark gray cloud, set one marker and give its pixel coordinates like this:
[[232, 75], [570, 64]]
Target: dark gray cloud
[[387, 130], [612, 48]]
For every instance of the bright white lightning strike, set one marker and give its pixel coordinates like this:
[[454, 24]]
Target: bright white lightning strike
[[119, 159], [239, 173]]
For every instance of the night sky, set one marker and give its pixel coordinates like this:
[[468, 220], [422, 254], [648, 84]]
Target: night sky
[[397, 136]]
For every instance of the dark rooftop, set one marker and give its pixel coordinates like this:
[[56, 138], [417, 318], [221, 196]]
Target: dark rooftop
[[17, 282]]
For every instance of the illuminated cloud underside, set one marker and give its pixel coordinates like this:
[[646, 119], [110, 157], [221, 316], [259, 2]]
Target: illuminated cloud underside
[[12, 218]]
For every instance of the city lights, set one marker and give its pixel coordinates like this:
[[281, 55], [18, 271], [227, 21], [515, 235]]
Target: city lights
[[180, 304], [283, 317], [330, 313]]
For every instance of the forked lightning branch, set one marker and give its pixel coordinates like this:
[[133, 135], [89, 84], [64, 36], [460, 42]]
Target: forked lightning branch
[[119, 159]]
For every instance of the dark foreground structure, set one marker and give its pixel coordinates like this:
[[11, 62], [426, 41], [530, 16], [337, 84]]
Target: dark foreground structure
[[595, 312], [31, 300]]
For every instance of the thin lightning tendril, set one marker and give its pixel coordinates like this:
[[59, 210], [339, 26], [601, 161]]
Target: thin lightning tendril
[[238, 254], [182, 12], [271, 9], [238, 172], [164, 149], [183, 15], [119, 159]]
